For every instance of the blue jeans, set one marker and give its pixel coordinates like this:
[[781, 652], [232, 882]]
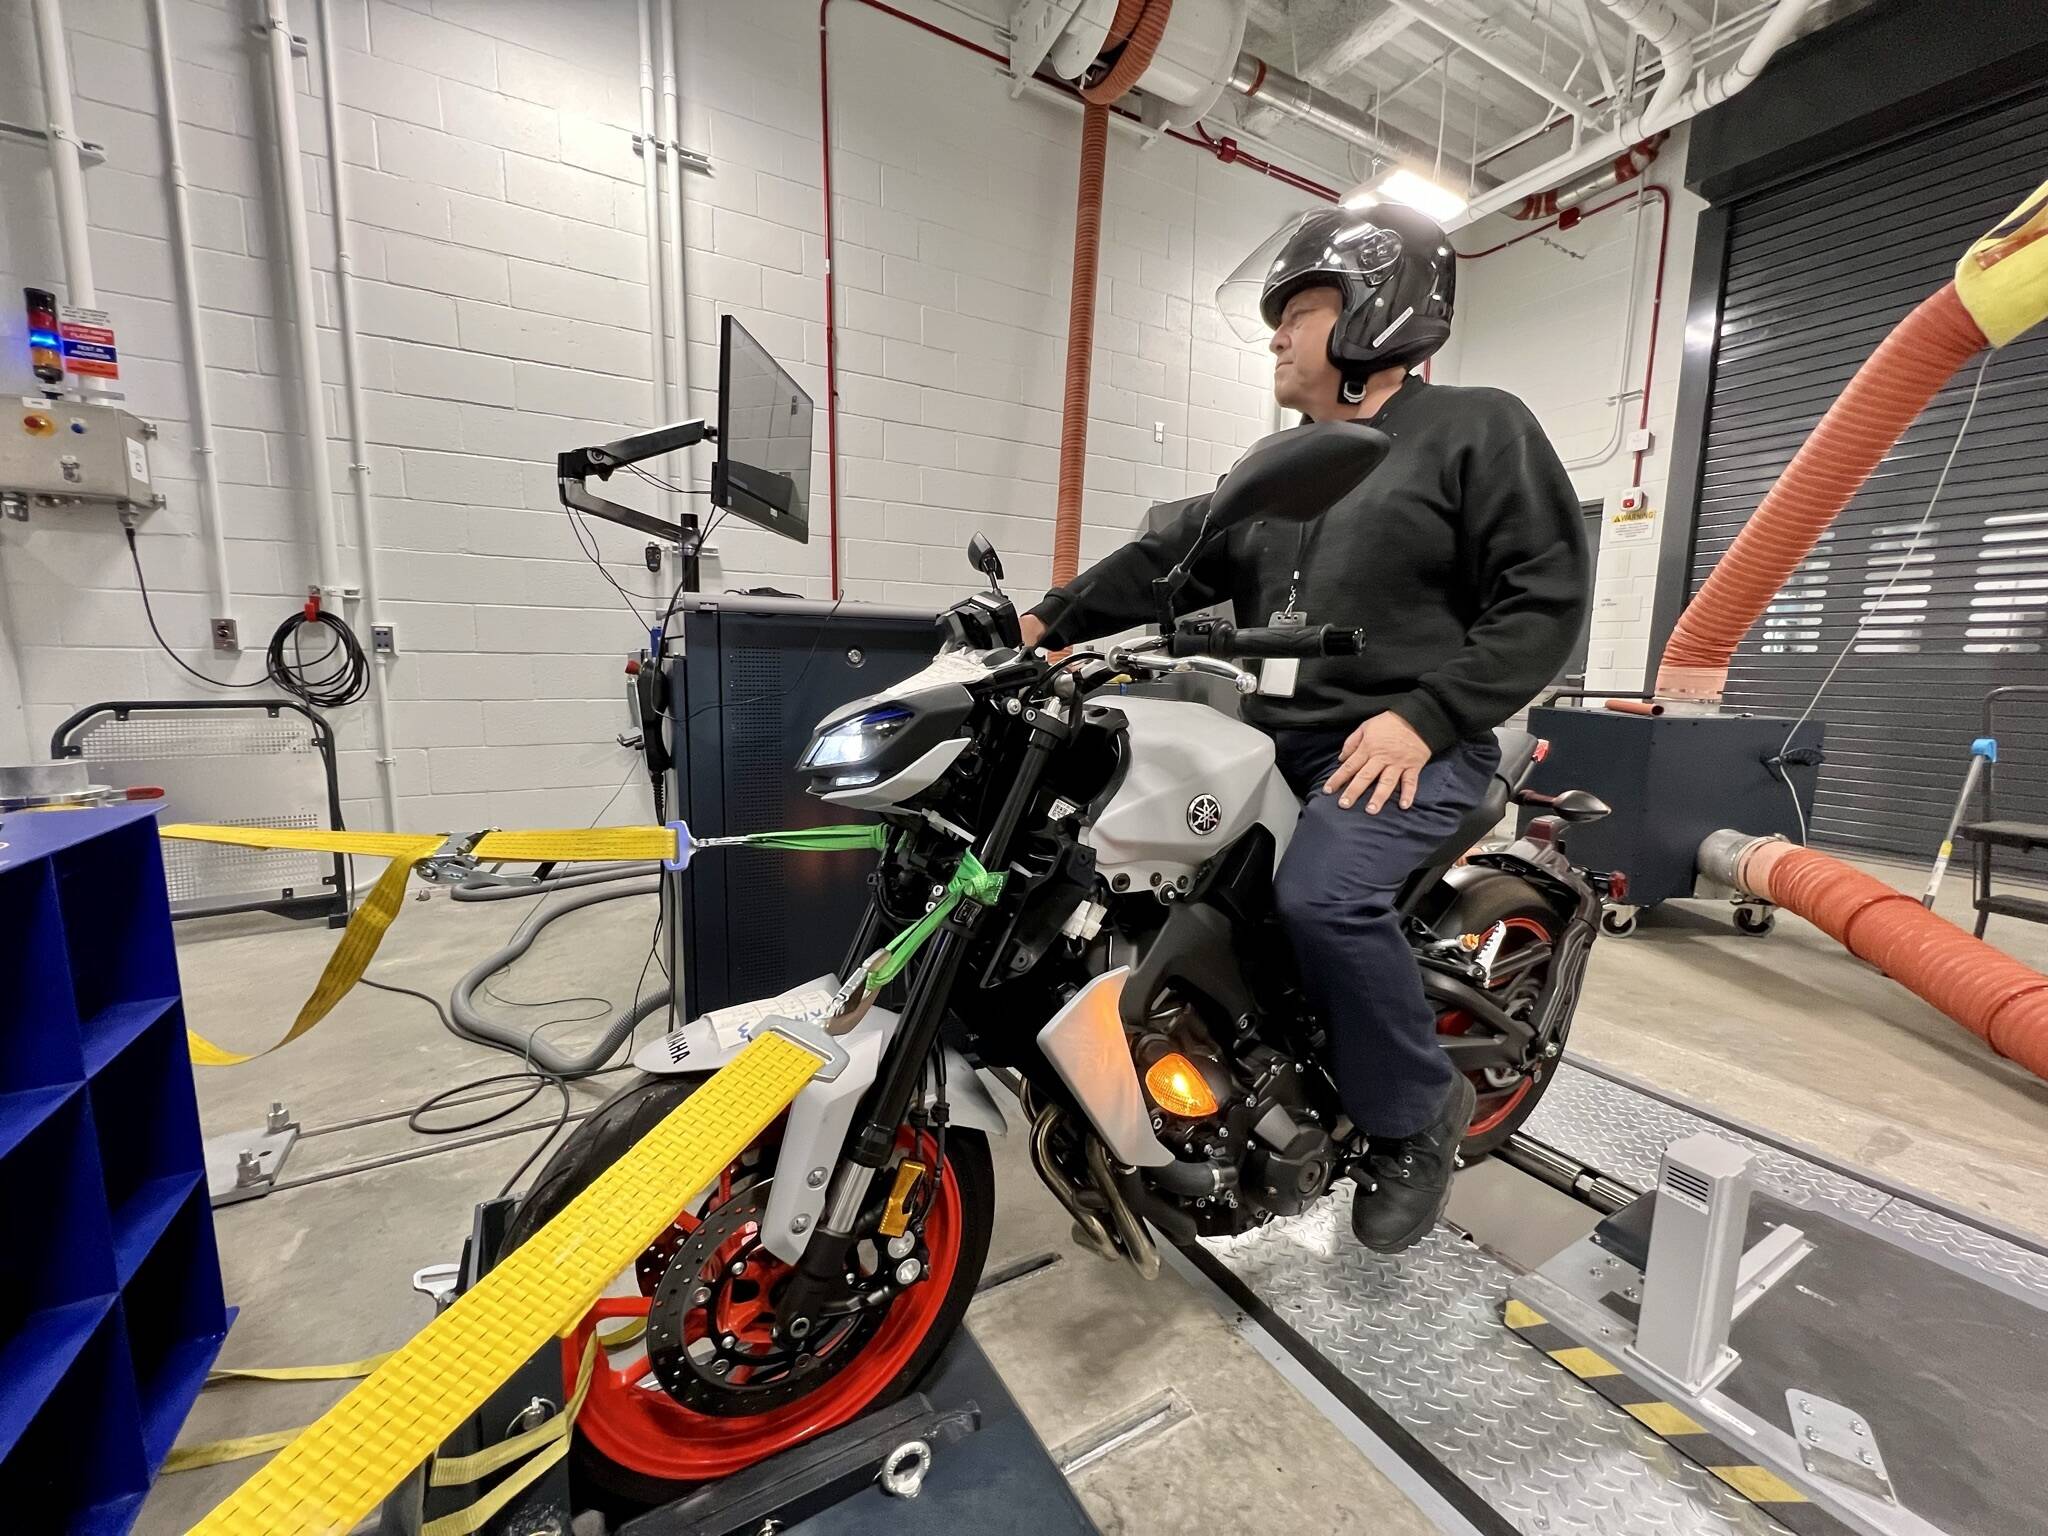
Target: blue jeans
[[1335, 890]]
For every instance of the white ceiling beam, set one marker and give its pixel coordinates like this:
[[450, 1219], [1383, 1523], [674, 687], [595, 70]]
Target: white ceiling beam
[[1495, 60]]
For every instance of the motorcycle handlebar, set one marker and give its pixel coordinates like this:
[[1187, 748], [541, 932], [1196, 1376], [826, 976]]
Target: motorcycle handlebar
[[1261, 642]]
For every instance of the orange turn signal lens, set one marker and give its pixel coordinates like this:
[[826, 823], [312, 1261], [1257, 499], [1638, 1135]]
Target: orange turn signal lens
[[1178, 1088]]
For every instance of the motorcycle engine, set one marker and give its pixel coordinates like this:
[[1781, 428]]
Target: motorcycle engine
[[1247, 1144]]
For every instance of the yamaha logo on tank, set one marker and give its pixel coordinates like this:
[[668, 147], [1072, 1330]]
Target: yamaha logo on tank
[[1205, 815]]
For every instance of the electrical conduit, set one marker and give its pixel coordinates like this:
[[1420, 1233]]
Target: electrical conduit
[[284, 114], [650, 196], [371, 613], [2000, 290], [189, 318]]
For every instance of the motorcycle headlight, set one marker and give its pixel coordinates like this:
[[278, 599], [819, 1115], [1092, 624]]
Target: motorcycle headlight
[[855, 740]]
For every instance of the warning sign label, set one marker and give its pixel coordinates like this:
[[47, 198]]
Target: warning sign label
[[88, 342]]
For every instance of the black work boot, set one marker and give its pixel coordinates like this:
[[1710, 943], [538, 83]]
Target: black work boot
[[1404, 1182]]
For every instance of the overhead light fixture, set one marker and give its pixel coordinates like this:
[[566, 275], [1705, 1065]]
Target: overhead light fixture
[[1401, 185]]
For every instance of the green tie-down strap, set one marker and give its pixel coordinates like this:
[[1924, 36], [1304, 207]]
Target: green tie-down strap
[[832, 839], [971, 882]]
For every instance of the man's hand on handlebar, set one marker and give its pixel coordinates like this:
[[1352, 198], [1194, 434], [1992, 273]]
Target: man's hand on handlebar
[[1033, 628], [1380, 757]]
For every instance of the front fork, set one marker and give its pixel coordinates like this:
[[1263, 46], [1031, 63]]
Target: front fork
[[821, 1273]]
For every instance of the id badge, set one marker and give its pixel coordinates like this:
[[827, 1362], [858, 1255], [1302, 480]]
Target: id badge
[[1277, 674]]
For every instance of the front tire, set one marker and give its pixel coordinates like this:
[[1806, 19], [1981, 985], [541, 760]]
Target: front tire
[[636, 1446]]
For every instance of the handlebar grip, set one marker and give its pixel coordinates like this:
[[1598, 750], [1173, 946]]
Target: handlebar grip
[[1303, 640]]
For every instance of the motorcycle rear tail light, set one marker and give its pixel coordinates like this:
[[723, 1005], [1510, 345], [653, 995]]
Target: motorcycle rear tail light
[[1178, 1088], [1543, 831], [1617, 886]]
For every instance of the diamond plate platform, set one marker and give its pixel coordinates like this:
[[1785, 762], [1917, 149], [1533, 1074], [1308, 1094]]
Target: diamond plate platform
[[1421, 1333]]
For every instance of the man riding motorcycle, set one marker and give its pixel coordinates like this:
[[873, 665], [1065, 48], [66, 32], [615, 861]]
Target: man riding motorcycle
[[1464, 560]]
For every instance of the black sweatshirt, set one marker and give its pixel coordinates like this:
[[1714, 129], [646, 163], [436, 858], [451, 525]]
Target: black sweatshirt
[[1462, 557]]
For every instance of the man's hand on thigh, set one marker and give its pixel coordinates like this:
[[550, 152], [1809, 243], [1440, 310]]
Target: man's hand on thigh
[[1382, 757]]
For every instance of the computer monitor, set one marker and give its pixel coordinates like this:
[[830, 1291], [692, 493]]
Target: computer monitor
[[763, 469]]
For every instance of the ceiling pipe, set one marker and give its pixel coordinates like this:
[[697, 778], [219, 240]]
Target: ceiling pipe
[[1673, 103], [1625, 167], [284, 111], [1350, 50], [1256, 80]]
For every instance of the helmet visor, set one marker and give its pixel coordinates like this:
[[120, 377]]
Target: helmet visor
[[1323, 242]]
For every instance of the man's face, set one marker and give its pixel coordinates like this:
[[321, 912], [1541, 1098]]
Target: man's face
[[1304, 378]]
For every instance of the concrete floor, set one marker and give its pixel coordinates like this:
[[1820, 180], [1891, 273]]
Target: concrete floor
[[1787, 1032]]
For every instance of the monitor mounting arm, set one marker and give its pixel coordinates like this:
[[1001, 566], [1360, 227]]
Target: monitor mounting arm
[[573, 467]]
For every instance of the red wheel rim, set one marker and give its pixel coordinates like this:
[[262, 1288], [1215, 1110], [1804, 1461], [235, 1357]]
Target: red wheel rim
[[645, 1430], [1496, 1104]]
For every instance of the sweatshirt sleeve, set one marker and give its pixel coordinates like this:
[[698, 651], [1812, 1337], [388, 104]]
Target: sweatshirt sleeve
[[1115, 593], [1525, 549]]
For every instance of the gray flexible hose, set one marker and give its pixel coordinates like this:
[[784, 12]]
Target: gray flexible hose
[[586, 874], [523, 1042]]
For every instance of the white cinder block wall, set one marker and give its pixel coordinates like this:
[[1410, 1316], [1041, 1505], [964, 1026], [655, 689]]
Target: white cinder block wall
[[1544, 320], [498, 238]]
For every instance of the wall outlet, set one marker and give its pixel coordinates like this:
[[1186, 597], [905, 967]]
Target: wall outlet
[[384, 639], [1158, 431], [227, 635]]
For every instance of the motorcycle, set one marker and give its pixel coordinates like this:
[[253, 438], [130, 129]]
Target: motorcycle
[[1086, 867]]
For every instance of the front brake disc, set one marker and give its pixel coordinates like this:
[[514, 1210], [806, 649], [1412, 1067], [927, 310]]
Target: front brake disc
[[718, 1372]]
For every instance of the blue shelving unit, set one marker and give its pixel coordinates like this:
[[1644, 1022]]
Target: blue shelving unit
[[111, 1309]]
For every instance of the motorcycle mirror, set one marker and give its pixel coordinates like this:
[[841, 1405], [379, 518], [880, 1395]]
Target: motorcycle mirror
[[983, 557], [1299, 473], [1580, 805]]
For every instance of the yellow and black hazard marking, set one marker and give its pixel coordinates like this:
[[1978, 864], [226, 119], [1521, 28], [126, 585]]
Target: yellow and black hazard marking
[[1673, 1425]]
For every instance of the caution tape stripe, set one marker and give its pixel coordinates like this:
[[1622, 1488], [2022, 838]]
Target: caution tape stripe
[[1677, 1428], [334, 1472]]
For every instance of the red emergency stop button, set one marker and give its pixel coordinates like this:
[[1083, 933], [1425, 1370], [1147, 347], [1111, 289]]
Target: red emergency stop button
[[38, 424]]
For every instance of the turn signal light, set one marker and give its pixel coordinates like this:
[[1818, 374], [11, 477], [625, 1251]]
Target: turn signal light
[[1178, 1088]]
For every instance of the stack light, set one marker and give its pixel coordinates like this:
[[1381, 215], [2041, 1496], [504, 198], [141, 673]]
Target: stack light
[[45, 348]]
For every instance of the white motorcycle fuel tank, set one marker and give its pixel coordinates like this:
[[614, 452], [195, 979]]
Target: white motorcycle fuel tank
[[1195, 781]]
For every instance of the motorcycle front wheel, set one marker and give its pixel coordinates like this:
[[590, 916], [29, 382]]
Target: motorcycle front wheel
[[636, 1444]]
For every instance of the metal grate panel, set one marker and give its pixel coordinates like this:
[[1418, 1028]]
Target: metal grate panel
[[245, 765]]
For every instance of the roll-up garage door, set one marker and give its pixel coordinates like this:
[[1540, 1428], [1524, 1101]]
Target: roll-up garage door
[[1817, 273]]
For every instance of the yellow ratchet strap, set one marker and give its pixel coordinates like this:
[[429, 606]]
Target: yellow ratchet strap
[[365, 930], [573, 845], [347, 1370], [337, 1469]]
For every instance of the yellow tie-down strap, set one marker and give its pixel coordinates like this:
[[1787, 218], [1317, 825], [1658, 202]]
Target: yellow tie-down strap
[[338, 1468], [571, 845], [365, 930]]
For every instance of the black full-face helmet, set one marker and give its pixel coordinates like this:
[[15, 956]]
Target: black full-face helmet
[[1393, 266]]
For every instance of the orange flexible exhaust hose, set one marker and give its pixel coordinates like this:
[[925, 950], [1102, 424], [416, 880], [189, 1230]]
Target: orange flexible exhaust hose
[[2001, 1001], [1136, 30], [1888, 392]]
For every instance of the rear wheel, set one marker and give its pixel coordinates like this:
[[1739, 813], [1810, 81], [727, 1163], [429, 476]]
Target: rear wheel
[[1506, 914], [707, 1389]]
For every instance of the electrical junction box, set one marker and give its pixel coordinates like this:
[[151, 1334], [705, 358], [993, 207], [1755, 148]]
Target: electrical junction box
[[64, 452]]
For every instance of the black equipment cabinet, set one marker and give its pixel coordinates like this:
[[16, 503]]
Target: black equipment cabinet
[[753, 676], [1671, 779]]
